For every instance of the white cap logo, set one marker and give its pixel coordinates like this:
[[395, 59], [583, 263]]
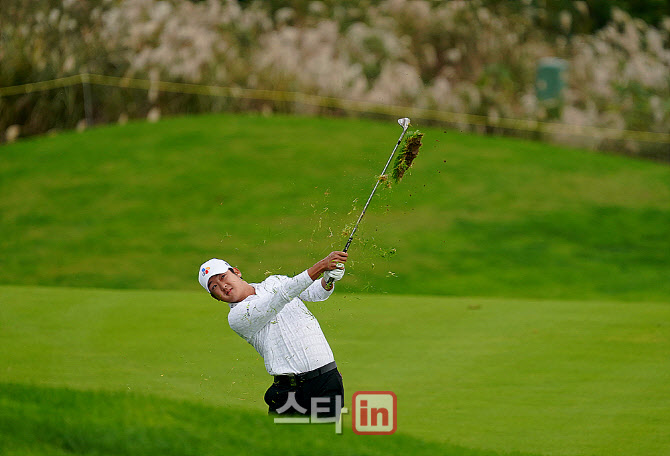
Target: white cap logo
[[211, 268]]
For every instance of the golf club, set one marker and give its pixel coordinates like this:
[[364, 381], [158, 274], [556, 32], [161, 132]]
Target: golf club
[[404, 123]]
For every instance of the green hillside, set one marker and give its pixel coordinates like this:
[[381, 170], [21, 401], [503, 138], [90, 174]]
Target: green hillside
[[560, 378], [142, 205]]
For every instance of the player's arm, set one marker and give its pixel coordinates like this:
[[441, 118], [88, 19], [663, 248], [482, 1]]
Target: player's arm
[[251, 315], [320, 290]]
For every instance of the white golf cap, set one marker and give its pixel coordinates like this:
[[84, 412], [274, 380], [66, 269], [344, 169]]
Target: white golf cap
[[210, 268]]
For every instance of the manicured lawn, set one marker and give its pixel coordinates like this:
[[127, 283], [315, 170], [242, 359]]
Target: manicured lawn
[[502, 375], [142, 205]]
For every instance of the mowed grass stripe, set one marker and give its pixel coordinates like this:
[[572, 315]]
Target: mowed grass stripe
[[481, 216], [536, 376]]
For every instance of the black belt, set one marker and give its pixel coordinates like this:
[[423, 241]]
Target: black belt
[[294, 379]]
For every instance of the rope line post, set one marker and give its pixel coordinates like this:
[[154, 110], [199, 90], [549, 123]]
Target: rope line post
[[88, 104]]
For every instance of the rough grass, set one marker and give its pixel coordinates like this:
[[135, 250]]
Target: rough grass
[[142, 205], [60, 421]]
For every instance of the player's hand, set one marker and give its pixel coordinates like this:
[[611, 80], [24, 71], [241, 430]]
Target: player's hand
[[334, 275], [335, 261]]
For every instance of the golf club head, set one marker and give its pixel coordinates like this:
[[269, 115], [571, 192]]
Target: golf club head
[[404, 122]]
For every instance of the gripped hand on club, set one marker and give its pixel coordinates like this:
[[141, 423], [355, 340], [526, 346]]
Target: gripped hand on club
[[336, 262], [332, 265]]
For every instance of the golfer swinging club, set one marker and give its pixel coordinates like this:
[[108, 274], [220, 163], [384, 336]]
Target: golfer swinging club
[[272, 317]]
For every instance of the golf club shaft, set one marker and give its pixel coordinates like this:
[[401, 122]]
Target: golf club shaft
[[365, 208]]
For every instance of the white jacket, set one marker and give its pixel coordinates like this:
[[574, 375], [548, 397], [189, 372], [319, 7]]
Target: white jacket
[[280, 327]]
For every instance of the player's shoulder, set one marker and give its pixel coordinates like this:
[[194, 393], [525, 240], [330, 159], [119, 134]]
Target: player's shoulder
[[238, 319], [272, 282]]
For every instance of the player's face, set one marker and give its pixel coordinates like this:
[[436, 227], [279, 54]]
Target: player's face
[[229, 286]]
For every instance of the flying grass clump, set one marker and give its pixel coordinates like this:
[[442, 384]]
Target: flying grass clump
[[408, 152], [384, 179]]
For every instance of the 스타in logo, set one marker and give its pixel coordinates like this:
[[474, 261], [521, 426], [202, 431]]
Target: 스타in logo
[[205, 271], [374, 412]]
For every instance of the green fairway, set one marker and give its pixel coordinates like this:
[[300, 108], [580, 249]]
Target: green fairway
[[142, 205], [501, 375]]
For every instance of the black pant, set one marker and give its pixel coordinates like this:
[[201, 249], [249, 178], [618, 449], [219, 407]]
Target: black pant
[[326, 386]]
